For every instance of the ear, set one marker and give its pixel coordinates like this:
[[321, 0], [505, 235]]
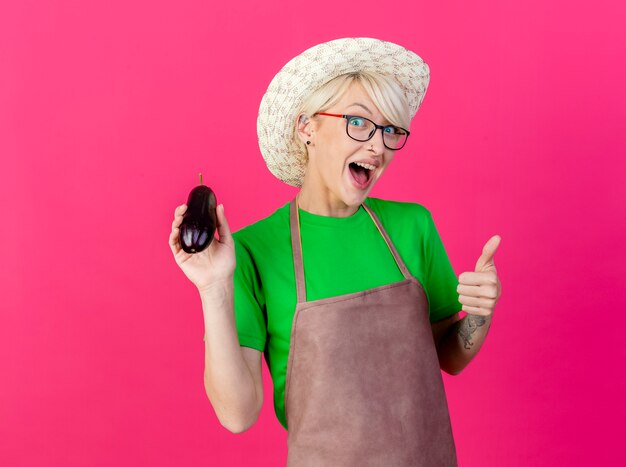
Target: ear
[[304, 126]]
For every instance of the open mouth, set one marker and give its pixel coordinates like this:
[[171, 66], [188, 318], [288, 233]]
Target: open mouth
[[361, 173]]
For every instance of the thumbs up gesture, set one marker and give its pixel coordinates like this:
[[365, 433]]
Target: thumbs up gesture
[[480, 290]]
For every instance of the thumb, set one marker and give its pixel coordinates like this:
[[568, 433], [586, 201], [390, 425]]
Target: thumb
[[485, 262], [223, 228]]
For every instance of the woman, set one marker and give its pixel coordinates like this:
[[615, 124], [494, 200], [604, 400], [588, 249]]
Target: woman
[[337, 289]]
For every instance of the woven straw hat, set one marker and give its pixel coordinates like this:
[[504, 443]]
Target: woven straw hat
[[310, 70]]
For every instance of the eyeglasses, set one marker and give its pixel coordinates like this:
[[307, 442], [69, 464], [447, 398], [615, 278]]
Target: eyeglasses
[[363, 129]]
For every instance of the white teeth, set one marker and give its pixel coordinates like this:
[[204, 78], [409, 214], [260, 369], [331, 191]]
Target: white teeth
[[367, 166]]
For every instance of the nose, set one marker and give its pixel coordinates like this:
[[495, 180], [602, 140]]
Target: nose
[[376, 142]]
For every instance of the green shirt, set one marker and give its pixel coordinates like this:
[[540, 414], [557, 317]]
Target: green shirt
[[340, 256]]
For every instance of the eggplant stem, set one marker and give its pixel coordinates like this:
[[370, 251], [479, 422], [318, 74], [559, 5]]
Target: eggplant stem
[[200, 178]]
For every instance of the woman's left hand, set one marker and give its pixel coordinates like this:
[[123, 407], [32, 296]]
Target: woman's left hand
[[480, 290]]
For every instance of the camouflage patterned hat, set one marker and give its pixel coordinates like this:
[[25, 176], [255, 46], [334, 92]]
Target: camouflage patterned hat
[[309, 71]]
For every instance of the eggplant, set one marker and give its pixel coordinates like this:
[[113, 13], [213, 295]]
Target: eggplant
[[197, 228]]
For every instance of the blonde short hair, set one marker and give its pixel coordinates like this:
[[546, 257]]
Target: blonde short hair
[[382, 89]]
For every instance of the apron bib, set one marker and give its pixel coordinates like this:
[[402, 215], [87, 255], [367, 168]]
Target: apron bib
[[363, 384]]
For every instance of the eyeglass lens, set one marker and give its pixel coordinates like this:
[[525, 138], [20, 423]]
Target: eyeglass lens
[[362, 129]]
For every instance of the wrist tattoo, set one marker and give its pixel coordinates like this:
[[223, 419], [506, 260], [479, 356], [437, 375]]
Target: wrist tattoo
[[469, 325]]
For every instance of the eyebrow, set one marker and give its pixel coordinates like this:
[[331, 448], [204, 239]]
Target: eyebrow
[[361, 105]]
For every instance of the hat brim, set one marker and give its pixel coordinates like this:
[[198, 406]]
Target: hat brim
[[309, 71]]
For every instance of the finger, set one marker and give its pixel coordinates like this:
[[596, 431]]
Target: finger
[[177, 221], [478, 278], [489, 250], [484, 303], [469, 290], [483, 291], [178, 215], [174, 241], [223, 229]]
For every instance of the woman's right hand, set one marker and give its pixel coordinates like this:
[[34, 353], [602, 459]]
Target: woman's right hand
[[213, 264]]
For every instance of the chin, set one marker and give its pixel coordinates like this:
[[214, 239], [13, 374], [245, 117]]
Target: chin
[[355, 199]]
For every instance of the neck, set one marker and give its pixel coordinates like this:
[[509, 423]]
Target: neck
[[323, 203]]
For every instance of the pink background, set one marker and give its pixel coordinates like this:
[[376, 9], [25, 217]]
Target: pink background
[[108, 110]]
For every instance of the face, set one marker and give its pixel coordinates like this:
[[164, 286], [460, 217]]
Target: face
[[332, 179]]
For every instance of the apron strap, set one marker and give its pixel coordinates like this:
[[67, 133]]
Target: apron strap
[[296, 246], [392, 247]]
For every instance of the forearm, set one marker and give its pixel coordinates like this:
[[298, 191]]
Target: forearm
[[227, 378], [461, 342]]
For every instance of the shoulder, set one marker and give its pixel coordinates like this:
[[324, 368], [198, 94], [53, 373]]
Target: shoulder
[[266, 230]]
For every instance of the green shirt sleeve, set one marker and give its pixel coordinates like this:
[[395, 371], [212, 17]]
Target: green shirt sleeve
[[249, 301], [440, 279]]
